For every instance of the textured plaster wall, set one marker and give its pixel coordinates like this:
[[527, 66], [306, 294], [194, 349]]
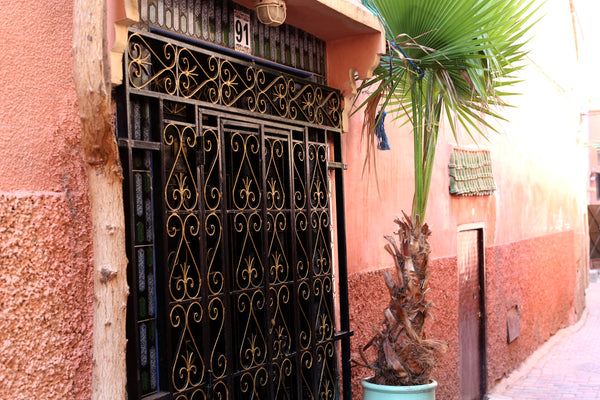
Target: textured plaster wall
[[45, 320], [538, 276], [522, 273], [46, 290], [539, 162], [534, 224], [369, 297], [593, 119]]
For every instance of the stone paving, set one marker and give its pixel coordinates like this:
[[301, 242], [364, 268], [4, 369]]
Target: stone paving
[[565, 367]]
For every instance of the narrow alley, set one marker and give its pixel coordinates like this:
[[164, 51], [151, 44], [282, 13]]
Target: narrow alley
[[565, 367]]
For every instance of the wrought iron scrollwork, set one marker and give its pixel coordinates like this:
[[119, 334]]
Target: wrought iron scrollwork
[[188, 367], [251, 307], [181, 190], [245, 231], [194, 73]]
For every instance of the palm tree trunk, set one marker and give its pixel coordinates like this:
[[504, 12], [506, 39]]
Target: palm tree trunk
[[404, 356]]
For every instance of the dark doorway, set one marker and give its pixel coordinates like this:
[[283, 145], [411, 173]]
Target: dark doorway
[[471, 313]]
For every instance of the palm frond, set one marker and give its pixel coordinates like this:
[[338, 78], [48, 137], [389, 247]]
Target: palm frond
[[452, 55]]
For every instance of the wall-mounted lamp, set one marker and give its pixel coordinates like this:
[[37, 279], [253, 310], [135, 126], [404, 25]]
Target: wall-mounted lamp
[[270, 12]]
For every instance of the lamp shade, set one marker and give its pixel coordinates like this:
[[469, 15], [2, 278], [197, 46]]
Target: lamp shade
[[271, 12]]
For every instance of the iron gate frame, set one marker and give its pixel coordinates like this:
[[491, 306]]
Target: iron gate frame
[[480, 230], [128, 145]]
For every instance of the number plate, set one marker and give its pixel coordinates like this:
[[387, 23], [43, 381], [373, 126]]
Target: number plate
[[241, 22]]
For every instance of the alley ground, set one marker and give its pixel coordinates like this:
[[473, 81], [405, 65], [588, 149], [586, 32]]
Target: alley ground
[[565, 367]]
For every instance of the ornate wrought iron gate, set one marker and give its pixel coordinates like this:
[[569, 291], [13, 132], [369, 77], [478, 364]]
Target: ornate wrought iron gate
[[232, 272]]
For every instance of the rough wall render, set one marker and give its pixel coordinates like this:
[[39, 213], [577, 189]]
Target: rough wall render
[[45, 299], [541, 283], [46, 287], [522, 273], [368, 297]]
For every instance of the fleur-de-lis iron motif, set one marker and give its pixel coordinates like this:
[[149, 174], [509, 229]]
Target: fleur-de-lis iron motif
[[247, 221]]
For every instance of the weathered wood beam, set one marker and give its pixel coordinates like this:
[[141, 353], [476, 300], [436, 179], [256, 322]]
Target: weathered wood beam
[[91, 76]]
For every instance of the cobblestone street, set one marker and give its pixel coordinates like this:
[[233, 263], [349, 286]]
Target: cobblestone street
[[565, 367]]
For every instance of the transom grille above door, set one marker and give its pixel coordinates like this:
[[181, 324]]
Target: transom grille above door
[[154, 64], [232, 269]]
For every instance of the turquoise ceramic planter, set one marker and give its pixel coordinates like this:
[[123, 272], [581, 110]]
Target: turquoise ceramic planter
[[372, 391]]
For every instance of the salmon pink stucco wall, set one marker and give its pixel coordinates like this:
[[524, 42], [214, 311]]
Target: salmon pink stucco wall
[[534, 224], [46, 290], [543, 297], [593, 118], [538, 155]]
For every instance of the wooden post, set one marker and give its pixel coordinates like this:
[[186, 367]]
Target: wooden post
[[91, 76]]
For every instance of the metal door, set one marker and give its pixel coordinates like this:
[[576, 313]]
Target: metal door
[[594, 233], [470, 314], [250, 271]]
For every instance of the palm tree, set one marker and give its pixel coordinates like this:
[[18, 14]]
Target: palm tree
[[446, 58]]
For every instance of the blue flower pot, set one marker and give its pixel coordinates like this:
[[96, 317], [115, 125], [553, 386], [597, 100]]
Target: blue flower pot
[[372, 391]]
